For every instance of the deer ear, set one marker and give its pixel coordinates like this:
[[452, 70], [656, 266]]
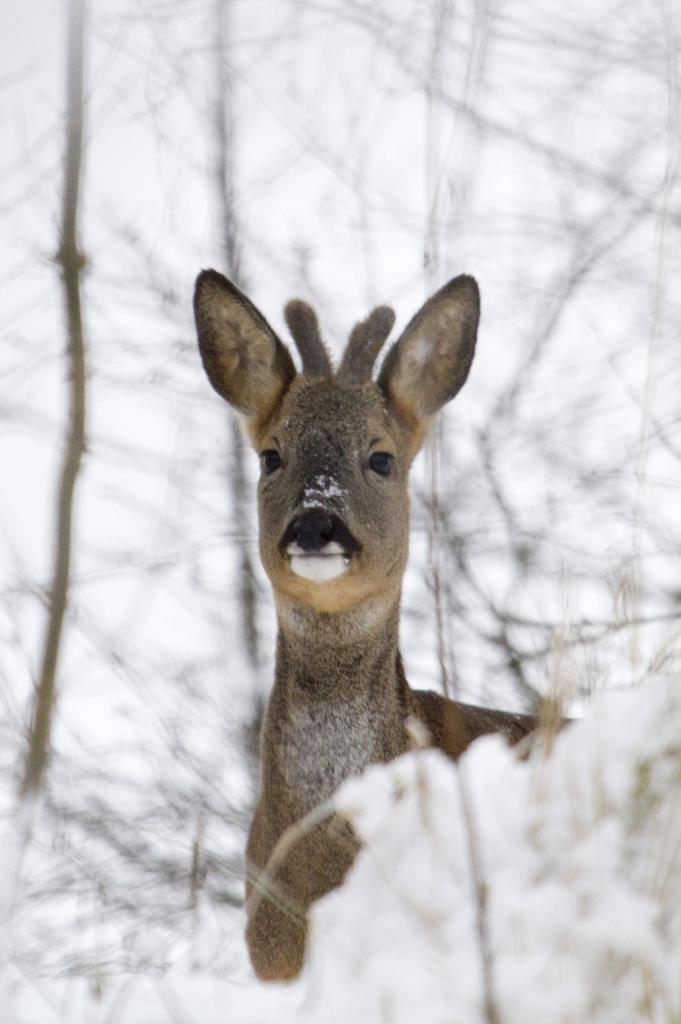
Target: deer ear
[[244, 359], [430, 362]]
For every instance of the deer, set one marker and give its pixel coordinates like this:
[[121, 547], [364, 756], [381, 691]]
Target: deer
[[335, 446]]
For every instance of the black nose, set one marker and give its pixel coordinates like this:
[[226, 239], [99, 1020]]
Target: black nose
[[313, 530]]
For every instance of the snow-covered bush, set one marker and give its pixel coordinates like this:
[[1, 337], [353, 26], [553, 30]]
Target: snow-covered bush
[[580, 851]]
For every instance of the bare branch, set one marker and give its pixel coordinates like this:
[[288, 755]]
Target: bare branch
[[229, 238], [71, 264]]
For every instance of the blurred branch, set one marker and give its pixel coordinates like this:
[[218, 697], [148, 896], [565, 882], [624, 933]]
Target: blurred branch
[[71, 264], [579, 168], [134, 839], [481, 898], [231, 251]]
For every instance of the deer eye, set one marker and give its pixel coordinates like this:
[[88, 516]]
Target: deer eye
[[381, 463], [270, 460]]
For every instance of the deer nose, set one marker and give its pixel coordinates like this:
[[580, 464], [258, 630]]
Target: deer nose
[[313, 530]]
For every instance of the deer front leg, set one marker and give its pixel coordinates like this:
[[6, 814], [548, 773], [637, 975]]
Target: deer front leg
[[279, 891]]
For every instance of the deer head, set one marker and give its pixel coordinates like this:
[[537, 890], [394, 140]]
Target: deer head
[[335, 446]]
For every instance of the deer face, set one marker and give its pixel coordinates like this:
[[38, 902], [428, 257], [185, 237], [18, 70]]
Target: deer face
[[335, 447], [332, 495]]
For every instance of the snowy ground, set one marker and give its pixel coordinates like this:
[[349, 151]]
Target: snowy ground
[[580, 851]]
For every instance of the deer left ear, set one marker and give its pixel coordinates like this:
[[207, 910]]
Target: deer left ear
[[429, 364], [243, 358]]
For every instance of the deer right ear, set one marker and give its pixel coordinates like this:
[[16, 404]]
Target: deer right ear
[[430, 362], [245, 361]]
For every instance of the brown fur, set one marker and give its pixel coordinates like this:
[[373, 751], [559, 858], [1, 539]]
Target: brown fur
[[340, 699]]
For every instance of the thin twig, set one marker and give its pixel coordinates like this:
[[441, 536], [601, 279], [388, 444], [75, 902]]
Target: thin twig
[[230, 243], [491, 1011], [71, 264], [264, 881]]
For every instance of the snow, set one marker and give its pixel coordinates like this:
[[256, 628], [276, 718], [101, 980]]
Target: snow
[[324, 487], [580, 850]]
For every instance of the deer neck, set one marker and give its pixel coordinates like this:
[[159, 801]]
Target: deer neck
[[339, 702]]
